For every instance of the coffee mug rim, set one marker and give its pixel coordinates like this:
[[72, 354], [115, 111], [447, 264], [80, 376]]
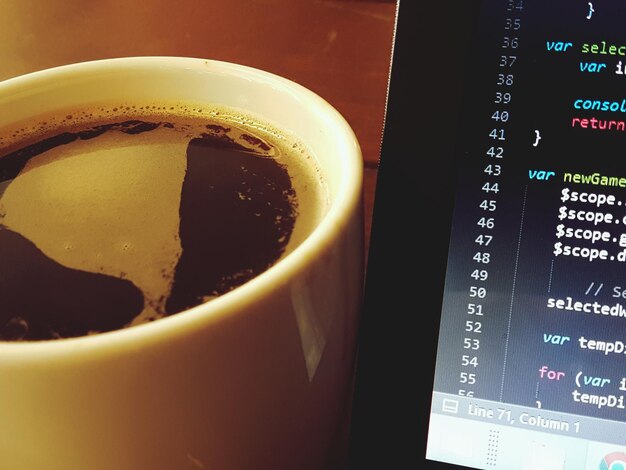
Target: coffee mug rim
[[346, 201]]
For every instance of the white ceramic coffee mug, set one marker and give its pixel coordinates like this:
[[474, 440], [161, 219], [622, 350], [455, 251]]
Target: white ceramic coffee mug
[[255, 379]]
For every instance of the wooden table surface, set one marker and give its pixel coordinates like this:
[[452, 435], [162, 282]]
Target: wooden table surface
[[340, 49]]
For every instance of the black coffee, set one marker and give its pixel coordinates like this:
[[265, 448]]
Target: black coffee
[[110, 223]]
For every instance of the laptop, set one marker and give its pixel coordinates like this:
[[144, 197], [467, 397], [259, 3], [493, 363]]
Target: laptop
[[494, 329]]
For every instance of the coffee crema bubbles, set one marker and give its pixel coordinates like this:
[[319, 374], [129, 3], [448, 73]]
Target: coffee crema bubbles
[[119, 215]]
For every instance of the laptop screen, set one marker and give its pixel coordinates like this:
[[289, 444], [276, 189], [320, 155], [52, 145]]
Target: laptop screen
[[494, 329]]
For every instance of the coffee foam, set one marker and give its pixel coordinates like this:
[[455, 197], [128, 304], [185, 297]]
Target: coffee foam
[[75, 216], [65, 222]]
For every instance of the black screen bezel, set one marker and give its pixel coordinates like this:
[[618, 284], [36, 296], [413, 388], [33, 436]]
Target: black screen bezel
[[410, 235]]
